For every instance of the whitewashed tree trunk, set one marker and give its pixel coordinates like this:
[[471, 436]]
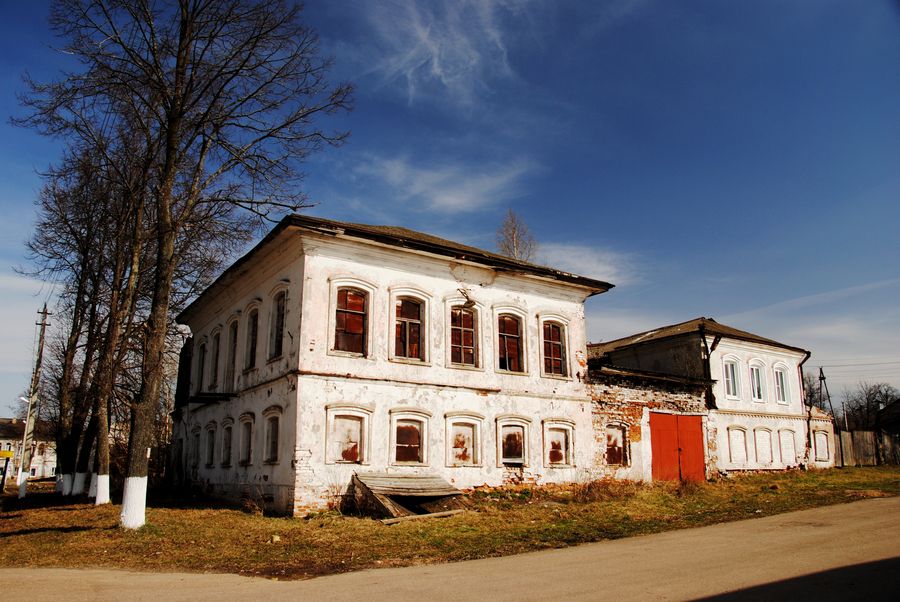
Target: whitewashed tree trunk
[[59, 483], [92, 490], [23, 481], [78, 483], [134, 502], [102, 493], [67, 484]]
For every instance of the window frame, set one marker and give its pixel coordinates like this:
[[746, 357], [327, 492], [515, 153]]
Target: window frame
[[195, 447], [566, 426], [793, 436], [518, 421], [761, 430], [782, 389], [410, 414], [563, 324], [476, 421], [518, 314], [815, 437], [251, 336], [626, 444], [336, 284], [277, 323], [202, 352], [226, 451], [458, 301], [350, 410], [743, 430], [214, 356], [731, 371], [271, 414], [757, 383], [210, 451], [247, 423], [231, 354], [398, 294]]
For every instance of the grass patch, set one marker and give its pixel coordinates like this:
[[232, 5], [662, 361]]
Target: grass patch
[[46, 530]]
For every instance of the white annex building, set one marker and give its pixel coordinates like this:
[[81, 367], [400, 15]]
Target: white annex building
[[333, 348], [756, 416]]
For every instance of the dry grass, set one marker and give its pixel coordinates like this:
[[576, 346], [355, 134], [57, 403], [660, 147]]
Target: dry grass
[[46, 530]]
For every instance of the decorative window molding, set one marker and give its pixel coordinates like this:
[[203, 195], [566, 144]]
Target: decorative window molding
[[227, 436], [762, 441], [820, 445], [757, 381], [347, 440], [463, 340], [350, 317], [618, 445], [559, 443], [409, 436], [737, 445], [511, 340], [273, 424], [246, 421], [782, 384], [513, 436], [554, 331], [409, 319], [787, 444], [463, 436], [277, 315], [731, 375], [210, 444]]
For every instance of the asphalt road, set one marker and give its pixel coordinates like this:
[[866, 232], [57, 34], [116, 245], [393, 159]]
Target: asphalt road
[[845, 552]]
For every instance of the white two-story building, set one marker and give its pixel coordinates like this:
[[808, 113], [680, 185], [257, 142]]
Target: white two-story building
[[333, 348]]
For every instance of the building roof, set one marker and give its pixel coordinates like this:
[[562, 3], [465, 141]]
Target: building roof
[[697, 325], [404, 238], [14, 428]]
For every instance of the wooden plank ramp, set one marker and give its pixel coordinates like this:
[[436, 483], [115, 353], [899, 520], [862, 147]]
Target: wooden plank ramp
[[395, 496]]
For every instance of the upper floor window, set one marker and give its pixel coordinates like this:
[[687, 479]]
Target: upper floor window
[[757, 383], [509, 348], [252, 335], [781, 388], [231, 356], [463, 342], [732, 385], [554, 349], [201, 367], [409, 329], [350, 321], [276, 326], [214, 364]]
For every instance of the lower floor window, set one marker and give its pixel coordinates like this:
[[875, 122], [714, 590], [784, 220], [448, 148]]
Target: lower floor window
[[463, 442], [616, 450], [558, 446], [346, 439], [512, 443], [408, 444], [272, 439]]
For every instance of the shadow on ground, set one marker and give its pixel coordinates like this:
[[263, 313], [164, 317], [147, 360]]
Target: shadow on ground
[[869, 581]]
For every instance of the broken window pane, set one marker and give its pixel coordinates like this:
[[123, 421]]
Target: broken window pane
[[462, 336], [346, 439], [409, 441], [558, 446], [615, 446], [408, 335], [509, 348], [512, 438], [462, 435], [350, 321]]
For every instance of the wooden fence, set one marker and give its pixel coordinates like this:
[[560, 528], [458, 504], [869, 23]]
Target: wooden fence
[[866, 448]]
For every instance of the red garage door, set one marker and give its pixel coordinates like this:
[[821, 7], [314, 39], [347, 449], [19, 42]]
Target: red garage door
[[677, 447]]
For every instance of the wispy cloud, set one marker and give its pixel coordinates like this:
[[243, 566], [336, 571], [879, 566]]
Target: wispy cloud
[[441, 49], [448, 188], [604, 264]]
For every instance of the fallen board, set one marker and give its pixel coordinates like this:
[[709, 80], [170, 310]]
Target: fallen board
[[394, 496]]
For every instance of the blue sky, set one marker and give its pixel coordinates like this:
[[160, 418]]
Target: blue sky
[[738, 160]]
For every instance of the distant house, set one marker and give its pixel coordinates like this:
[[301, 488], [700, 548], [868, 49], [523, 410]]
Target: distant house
[[43, 458], [334, 348], [756, 419]]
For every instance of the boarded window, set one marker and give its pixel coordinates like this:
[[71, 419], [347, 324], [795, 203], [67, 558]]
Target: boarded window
[[616, 454], [463, 349], [246, 441], [788, 448], [462, 436], [554, 349], [346, 439], [350, 321], [408, 335], [821, 443], [737, 446], [509, 330], [512, 441], [276, 326], [558, 446], [226, 446], [272, 423], [252, 332], [763, 446], [409, 441]]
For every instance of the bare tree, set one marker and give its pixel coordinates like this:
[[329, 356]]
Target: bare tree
[[862, 403], [224, 96], [514, 238]]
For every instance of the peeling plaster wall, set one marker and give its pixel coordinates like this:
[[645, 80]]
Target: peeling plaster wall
[[628, 401]]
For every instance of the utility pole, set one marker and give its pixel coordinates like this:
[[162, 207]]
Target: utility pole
[[28, 437], [840, 434]]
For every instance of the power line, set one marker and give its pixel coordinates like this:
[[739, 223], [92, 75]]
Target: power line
[[859, 364]]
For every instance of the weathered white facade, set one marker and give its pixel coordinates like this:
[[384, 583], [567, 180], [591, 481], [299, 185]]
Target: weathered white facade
[[380, 349]]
